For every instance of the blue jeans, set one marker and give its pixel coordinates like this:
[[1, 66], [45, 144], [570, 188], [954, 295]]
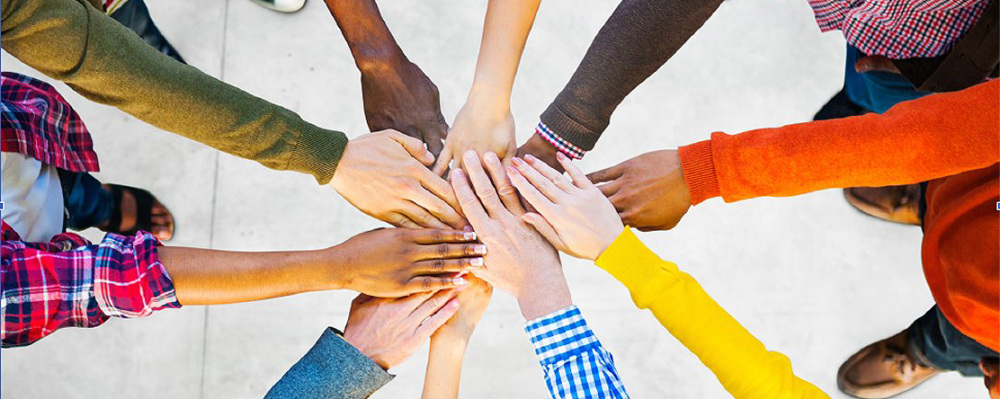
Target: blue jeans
[[946, 348], [876, 91]]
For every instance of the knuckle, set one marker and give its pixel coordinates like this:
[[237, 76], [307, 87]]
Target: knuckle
[[443, 250], [438, 265]]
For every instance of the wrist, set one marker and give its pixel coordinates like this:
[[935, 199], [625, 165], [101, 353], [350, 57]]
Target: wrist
[[363, 346], [333, 275], [489, 97], [378, 59], [545, 295]]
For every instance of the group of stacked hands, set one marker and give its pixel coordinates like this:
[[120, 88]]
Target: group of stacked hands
[[501, 213]]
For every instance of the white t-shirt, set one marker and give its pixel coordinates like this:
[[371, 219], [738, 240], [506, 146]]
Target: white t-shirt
[[32, 197]]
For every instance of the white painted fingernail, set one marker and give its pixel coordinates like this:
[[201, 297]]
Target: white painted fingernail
[[458, 281], [479, 249], [477, 262], [469, 235]]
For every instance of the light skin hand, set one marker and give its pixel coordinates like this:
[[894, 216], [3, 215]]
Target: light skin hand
[[388, 331], [485, 123], [518, 259], [648, 191], [448, 344], [384, 174], [572, 213]]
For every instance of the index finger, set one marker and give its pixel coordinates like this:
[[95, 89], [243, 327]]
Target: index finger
[[481, 184], [467, 199], [437, 236], [439, 187], [579, 178]]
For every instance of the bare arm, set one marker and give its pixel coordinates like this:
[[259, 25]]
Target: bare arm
[[485, 123]]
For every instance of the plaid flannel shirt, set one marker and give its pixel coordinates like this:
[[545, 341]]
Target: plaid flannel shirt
[[896, 29], [574, 362], [38, 122], [70, 282]]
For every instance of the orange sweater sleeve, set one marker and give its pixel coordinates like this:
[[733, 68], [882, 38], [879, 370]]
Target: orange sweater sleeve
[[923, 139]]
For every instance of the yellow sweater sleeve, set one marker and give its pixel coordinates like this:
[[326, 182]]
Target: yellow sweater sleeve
[[741, 363]]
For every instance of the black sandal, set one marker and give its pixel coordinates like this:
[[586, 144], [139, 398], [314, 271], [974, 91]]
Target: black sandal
[[143, 209]]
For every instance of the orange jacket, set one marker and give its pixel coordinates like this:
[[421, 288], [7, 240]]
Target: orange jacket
[[952, 139]]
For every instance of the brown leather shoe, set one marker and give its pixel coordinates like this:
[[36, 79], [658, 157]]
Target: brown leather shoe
[[900, 204], [884, 369]]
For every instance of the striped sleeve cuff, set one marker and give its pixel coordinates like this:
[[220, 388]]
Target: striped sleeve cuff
[[560, 335], [129, 280], [561, 144]]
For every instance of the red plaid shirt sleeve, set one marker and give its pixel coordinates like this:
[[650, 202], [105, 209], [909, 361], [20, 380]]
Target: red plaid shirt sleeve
[[70, 282]]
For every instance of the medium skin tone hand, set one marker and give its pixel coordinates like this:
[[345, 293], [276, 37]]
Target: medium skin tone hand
[[383, 262], [572, 213], [384, 174], [541, 150], [389, 331], [396, 93], [448, 344], [648, 191], [485, 123], [518, 259]]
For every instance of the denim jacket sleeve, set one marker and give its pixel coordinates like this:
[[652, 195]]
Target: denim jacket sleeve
[[331, 369]]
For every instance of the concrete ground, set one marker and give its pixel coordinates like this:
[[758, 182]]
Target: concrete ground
[[809, 276]]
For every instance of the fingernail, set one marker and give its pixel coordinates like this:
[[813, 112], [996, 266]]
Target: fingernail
[[457, 173], [530, 158], [477, 262], [492, 157], [470, 154], [518, 161], [511, 170], [467, 228], [479, 249], [429, 154], [469, 236], [560, 156], [459, 281]]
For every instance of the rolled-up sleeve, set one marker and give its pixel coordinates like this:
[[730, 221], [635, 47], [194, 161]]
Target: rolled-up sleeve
[[69, 282]]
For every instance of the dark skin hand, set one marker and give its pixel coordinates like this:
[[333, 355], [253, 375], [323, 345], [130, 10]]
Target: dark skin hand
[[541, 150], [396, 93], [648, 191], [386, 263]]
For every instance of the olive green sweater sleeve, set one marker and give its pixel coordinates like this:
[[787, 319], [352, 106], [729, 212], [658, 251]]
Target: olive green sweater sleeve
[[741, 362], [69, 40]]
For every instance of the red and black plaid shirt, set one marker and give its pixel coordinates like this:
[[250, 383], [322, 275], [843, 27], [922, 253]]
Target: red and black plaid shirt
[[68, 281], [899, 29], [38, 122]]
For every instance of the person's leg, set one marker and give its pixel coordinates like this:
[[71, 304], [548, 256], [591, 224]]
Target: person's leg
[[135, 16], [930, 345], [113, 208], [944, 347], [88, 204]]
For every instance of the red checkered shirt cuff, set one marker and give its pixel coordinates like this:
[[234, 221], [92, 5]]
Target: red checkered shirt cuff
[[565, 147]]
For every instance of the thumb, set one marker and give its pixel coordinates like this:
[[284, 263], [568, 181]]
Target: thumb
[[443, 161], [605, 175], [413, 146], [875, 63]]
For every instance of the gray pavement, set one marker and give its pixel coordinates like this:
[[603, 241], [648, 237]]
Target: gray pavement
[[809, 276]]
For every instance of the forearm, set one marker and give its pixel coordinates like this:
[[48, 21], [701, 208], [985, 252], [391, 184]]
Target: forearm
[[639, 37], [444, 367], [99, 58], [505, 32], [367, 35], [209, 277], [923, 139], [741, 362]]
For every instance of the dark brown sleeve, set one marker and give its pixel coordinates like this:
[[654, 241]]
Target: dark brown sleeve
[[639, 37]]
